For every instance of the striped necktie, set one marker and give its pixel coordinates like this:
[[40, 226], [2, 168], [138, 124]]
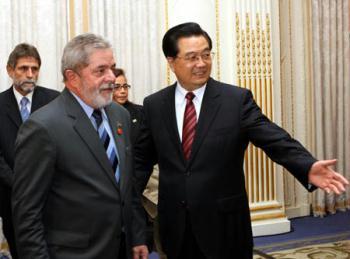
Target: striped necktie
[[107, 142], [24, 109], [189, 126]]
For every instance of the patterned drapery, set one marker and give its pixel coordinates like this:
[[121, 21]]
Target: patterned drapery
[[135, 29], [40, 23], [331, 79]]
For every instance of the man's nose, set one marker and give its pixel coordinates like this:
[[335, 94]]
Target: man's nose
[[110, 76], [29, 73], [200, 62]]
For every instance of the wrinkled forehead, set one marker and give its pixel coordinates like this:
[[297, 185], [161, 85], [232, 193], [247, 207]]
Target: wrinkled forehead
[[101, 57]]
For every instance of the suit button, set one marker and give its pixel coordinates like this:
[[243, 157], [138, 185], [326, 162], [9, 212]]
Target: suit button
[[123, 203], [188, 173], [183, 203]]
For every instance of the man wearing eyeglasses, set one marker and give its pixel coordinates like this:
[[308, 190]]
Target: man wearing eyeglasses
[[197, 130]]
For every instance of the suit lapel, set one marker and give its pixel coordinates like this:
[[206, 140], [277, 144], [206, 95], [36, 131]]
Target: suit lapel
[[169, 117], [87, 132], [114, 123], [12, 105], [209, 108], [12, 109], [38, 100]]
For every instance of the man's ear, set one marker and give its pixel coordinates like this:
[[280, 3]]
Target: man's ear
[[171, 61], [10, 71], [72, 79]]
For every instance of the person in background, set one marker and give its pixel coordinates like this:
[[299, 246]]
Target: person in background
[[16, 104], [150, 195], [73, 187], [121, 96], [197, 130]]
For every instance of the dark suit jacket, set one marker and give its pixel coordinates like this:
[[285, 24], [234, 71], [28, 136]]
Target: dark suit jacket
[[10, 121], [66, 201], [210, 186], [135, 111]]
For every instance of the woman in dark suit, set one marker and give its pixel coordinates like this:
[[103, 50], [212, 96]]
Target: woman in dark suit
[[150, 197], [120, 96]]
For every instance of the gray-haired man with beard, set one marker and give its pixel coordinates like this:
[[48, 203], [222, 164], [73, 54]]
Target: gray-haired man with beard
[[16, 104], [73, 190]]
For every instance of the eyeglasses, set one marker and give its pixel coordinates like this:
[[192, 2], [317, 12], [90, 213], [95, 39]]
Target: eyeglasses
[[194, 57], [119, 86]]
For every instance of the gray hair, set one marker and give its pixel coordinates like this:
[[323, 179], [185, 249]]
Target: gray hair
[[77, 52]]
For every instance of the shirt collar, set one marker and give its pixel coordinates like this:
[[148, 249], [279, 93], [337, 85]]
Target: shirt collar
[[87, 109], [19, 96], [199, 92]]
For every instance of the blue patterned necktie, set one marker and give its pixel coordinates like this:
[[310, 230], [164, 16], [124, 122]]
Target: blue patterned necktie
[[24, 109], [107, 142]]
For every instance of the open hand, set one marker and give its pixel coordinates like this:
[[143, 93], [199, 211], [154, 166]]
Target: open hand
[[323, 176], [140, 252]]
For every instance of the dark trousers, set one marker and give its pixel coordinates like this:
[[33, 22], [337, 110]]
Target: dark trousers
[[9, 234], [122, 247], [190, 248]]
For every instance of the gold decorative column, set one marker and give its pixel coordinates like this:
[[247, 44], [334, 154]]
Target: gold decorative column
[[254, 71]]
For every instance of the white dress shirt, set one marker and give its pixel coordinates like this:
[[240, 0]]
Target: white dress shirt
[[180, 104], [19, 97]]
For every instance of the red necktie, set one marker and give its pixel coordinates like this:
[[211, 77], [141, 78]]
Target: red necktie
[[189, 126]]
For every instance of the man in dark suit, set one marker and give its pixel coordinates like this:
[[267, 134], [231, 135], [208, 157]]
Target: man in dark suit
[[23, 67], [197, 130], [72, 191]]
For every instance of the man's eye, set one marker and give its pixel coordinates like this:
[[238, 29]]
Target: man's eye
[[100, 71], [205, 55], [192, 58]]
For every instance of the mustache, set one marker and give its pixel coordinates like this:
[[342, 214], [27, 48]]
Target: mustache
[[109, 86], [27, 82]]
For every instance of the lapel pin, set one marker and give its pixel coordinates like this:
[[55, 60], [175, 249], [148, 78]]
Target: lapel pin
[[119, 129]]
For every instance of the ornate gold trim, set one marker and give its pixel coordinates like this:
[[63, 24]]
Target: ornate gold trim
[[217, 24], [71, 19], [309, 76], [275, 215], [166, 29], [291, 66], [265, 207], [269, 95], [85, 15], [254, 72]]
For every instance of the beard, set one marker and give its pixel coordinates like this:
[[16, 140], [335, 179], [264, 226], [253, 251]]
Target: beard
[[27, 86], [97, 97]]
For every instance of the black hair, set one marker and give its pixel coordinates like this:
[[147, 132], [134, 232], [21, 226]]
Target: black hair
[[184, 30], [118, 72]]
